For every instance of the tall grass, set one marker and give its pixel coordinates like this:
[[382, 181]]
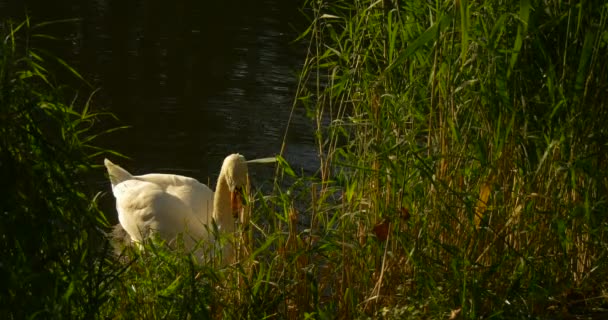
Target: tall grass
[[469, 142], [462, 175], [50, 227]]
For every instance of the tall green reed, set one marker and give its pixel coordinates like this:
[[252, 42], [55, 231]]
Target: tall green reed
[[473, 132], [51, 263]]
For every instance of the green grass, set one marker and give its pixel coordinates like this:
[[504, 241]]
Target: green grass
[[50, 257], [462, 151], [485, 122]]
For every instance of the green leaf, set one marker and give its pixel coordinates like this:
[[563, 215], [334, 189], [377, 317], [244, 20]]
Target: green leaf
[[581, 73], [430, 34], [285, 166], [524, 15]]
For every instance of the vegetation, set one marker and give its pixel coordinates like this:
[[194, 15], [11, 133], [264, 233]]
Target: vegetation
[[470, 137], [462, 152], [50, 227]]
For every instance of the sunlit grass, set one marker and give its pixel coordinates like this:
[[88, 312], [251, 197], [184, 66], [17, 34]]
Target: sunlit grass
[[463, 134]]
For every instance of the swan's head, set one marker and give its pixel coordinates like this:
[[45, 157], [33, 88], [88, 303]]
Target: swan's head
[[234, 170]]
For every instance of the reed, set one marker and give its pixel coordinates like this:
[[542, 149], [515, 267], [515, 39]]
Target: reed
[[52, 263], [466, 138]]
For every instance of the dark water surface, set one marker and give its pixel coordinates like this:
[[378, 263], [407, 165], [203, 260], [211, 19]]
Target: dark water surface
[[195, 80]]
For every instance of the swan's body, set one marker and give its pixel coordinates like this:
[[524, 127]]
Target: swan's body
[[168, 205]]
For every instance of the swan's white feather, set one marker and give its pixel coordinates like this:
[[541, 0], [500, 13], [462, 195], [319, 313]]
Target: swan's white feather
[[168, 205]]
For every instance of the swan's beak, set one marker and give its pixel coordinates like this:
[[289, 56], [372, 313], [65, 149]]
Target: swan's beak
[[236, 202]]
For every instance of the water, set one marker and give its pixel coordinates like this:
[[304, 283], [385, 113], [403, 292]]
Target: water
[[195, 80]]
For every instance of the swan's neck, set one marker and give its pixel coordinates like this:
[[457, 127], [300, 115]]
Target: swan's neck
[[222, 211]]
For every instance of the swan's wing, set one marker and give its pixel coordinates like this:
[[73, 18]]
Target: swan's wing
[[145, 209], [136, 212], [197, 196]]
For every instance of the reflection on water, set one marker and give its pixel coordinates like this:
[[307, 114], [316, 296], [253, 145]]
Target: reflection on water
[[195, 80]]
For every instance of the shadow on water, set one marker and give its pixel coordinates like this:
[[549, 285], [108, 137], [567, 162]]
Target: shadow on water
[[195, 80]]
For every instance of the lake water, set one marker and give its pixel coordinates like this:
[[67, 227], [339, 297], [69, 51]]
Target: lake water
[[195, 80]]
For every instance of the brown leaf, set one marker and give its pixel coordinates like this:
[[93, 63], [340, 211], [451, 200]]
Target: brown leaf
[[405, 214], [381, 230]]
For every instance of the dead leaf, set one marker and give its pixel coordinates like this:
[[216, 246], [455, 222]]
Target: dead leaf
[[381, 230], [405, 214], [482, 203]]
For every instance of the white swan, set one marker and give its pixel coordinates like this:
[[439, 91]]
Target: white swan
[[170, 205]]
